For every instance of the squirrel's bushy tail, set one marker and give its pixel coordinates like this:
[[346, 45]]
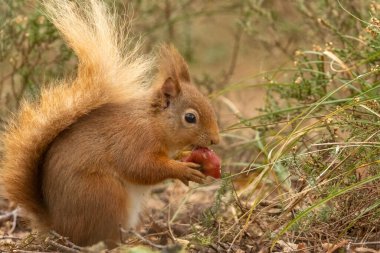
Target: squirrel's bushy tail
[[107, 73]]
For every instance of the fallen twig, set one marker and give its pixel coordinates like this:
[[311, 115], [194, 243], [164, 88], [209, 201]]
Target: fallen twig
[[5, 237], [29, 251], [336, 246], [142, 238], [66, 240], [14, 215], [61, 247]]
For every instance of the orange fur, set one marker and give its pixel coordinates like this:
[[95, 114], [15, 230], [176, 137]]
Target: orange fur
[[79, 159]]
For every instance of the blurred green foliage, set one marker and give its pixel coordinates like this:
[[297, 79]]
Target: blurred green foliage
[[212, 35], [30, 51]]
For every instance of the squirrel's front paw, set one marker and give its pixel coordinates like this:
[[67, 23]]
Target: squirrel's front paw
[[190, 173]]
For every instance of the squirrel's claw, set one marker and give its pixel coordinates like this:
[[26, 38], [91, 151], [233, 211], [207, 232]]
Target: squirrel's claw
[[192, 174]]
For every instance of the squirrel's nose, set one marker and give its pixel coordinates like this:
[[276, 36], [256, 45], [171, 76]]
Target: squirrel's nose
[[215, 139]]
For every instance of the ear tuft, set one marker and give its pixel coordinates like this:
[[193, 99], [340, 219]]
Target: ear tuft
[[172, 64]]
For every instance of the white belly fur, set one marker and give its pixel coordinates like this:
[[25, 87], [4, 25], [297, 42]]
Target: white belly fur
[[136, 194]]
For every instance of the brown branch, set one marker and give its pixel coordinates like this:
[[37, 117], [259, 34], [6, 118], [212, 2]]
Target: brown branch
[[168, 15], [235, 54]]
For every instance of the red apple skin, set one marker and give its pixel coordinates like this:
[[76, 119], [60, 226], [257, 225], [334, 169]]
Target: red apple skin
[[209, 161]]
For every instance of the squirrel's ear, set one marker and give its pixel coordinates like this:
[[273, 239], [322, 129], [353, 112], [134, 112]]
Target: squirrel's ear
[[170, 88], [172, 64]]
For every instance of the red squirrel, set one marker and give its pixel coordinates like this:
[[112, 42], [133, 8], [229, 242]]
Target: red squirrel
[[80, 159]]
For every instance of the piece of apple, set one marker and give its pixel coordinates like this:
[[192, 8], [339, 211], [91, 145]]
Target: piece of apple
[[208, 159]]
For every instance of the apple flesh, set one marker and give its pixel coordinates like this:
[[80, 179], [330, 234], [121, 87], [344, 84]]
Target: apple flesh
[[208, 159]]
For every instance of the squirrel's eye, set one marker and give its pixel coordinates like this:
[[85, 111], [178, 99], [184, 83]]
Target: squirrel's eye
[[190, 118]]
